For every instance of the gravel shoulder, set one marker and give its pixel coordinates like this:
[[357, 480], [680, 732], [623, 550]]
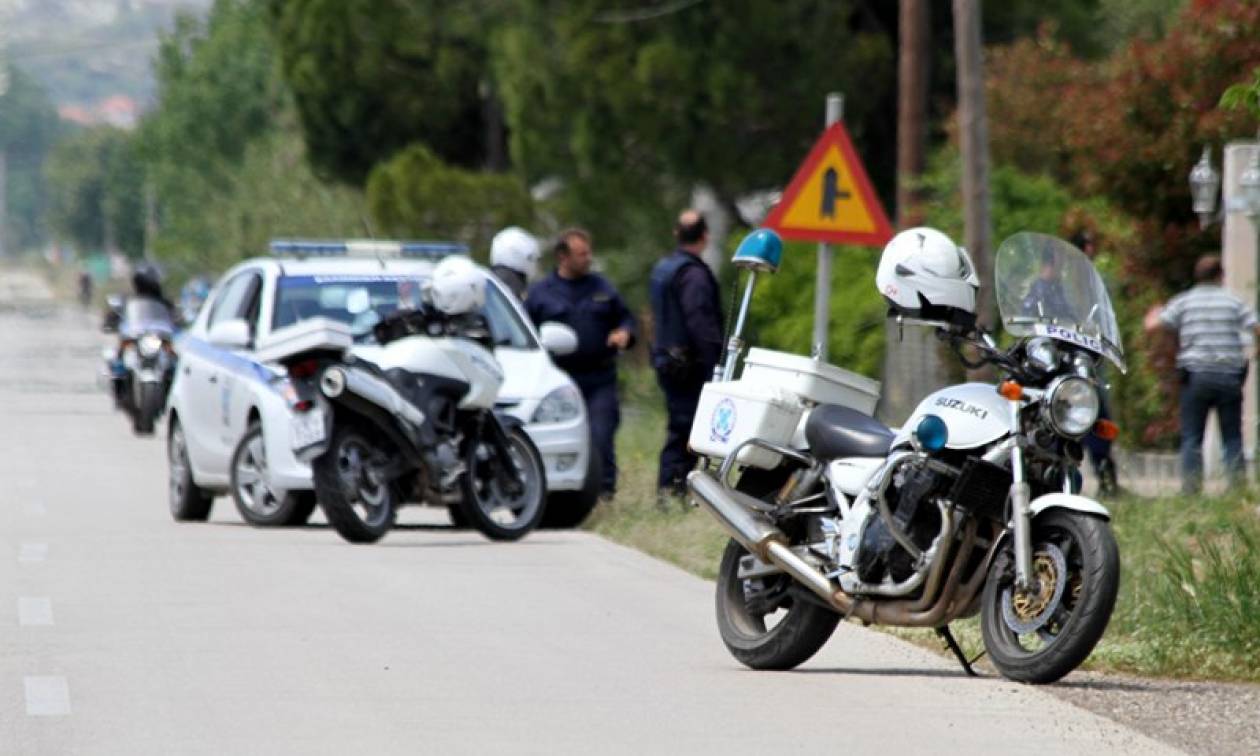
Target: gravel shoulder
[[1207, 718]]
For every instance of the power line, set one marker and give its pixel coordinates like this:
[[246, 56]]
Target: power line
[[644, 14], [70, 51]]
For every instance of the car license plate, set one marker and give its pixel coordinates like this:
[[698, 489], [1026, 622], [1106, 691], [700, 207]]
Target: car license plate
[[307, 429]]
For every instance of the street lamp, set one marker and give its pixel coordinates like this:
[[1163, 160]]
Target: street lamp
[[1249, 189], [1205, 182]]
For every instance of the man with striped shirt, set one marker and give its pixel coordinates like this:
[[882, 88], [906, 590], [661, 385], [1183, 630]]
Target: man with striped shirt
[[1214, 329]]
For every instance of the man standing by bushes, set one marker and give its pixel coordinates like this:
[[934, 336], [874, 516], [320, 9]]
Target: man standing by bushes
[[1209, 323], [687, 342], [588, 303]]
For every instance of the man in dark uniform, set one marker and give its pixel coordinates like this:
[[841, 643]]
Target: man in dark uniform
[[687, 343], [588, 303]]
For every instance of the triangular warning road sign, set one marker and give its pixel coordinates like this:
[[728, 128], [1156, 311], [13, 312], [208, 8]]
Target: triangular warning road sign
[[830, 198]]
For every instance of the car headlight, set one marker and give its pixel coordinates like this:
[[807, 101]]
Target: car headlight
[[149, 345], [1072, 406], [561, 405]]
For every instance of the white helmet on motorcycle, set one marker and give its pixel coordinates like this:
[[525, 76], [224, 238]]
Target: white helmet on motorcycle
[[458, 286], [516, 249], [924, 274]]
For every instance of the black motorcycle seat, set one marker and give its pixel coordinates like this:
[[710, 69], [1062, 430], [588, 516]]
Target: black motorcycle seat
[[834, 431]]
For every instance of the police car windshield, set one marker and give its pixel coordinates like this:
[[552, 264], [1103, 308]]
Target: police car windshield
[[362, 301]]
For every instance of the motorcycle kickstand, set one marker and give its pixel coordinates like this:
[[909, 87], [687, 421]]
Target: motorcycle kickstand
[[950, 641]]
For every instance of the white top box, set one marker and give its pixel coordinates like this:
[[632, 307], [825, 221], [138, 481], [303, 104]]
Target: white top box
[[324, 334], [810, 379]]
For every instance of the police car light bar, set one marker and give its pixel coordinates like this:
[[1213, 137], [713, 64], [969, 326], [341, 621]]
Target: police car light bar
[[375, 249]]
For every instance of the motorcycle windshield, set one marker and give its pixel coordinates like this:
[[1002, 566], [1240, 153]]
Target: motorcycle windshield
[[1047, 287], [142, 315]]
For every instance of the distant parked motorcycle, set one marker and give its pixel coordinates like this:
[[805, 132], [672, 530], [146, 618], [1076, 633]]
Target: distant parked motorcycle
[[141, 366], [417, 422], [970, 507]]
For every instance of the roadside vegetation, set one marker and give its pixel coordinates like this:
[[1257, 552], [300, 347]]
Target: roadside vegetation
[[1189, 602]]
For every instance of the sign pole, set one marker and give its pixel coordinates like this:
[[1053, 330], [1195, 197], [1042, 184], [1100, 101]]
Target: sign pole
[[822, 286]]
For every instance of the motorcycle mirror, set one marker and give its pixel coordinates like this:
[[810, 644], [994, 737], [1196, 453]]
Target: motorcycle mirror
[[558, 339]]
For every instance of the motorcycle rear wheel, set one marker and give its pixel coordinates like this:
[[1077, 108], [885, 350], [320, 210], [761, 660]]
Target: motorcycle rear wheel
[[1039, 639], [359, 506], [798, 630]]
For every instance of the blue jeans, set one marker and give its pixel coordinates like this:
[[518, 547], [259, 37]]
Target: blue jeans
[[1201, 393]]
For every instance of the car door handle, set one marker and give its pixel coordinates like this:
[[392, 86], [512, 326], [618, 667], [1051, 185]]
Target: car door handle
[[214, 379]]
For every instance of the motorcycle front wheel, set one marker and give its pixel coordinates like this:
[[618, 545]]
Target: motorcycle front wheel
[[1043, 635], [358, 502], [148, 407], [498, 514]]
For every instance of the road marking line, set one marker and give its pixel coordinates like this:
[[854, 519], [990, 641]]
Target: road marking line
[[34, 611], [33, 552], [47, 696], [34, 508]]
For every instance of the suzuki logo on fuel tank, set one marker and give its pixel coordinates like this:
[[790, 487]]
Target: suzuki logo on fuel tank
[[964, 407]]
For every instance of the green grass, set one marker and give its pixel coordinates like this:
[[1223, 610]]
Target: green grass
[[1189, 603]]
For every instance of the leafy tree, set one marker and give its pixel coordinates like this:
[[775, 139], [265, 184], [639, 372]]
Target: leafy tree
[[416, 194], [28, 127], [95, 182], [373, 76], [273, 193], [1244, 95], [1131, 126], [727, 95]]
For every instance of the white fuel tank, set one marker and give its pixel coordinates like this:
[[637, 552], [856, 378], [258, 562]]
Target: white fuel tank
[[974, 413]]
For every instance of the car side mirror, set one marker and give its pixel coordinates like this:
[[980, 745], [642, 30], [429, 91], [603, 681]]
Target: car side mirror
[[230, 334], [558, 339]]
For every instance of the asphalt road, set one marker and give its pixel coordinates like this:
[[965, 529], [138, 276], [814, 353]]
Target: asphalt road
[[128, 633]]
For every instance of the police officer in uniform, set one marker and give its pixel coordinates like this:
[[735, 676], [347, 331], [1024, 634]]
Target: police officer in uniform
[[687, 343], [588, 303]]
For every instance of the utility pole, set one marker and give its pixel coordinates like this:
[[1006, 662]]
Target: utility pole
[[822, 285], [974, 137], [912, 364], [4, 163], [913, 62]]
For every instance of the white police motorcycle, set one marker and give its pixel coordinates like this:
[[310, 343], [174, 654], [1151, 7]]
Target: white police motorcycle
[[971, 507], [417, 421]]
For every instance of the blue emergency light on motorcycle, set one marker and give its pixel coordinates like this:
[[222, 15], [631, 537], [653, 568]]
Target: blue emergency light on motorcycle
[[932, 433], [761, 251], [370, 248]]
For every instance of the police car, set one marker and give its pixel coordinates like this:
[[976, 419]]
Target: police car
[[229, 423]]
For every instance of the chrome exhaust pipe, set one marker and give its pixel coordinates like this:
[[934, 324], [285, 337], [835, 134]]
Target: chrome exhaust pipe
[[339, 380], [737, 513]]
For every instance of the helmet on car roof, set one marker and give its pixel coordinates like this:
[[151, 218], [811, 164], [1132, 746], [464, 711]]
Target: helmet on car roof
[[923, 273], [458, 286]]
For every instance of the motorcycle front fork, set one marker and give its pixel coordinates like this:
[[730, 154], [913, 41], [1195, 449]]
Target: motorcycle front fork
[[1021, 511]]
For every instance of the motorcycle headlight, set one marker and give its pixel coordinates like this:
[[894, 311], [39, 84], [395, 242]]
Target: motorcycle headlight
[[1072, 406], [149, 345], [561, 405]]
